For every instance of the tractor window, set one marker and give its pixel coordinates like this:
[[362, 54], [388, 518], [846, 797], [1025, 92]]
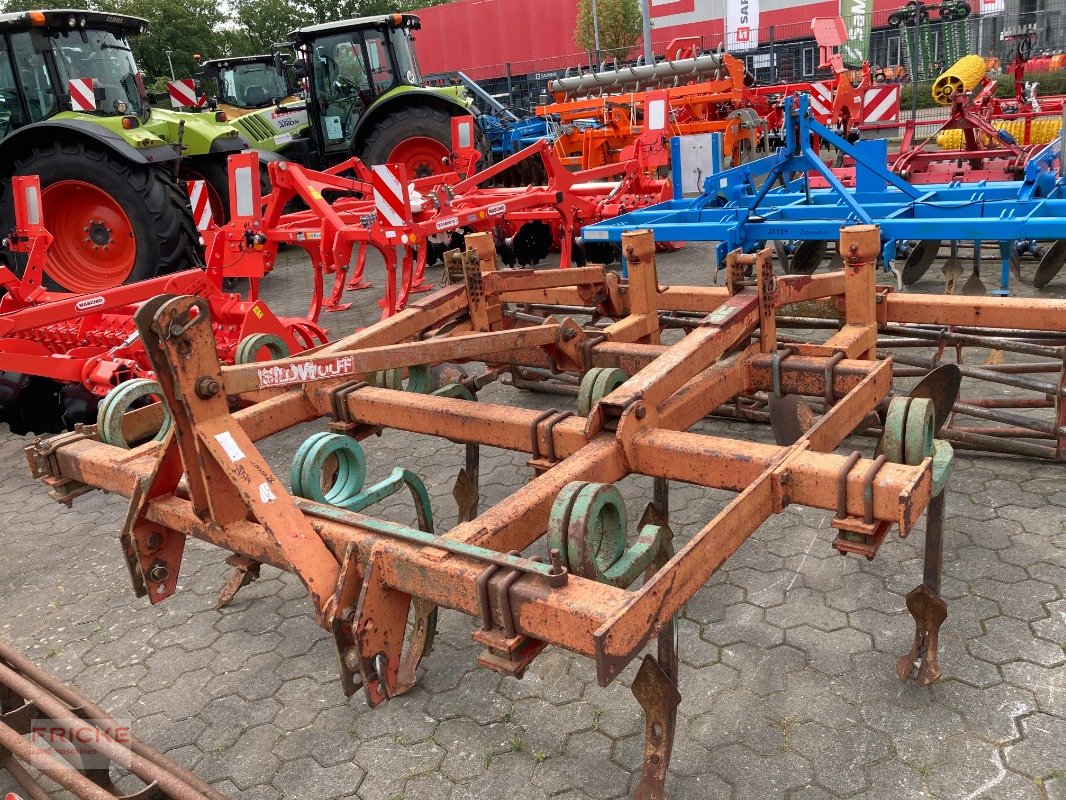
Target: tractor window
[[11, 115], [251, 85], [108, 60], [33, 75], [406, 63], [342, 88], [377, 51]]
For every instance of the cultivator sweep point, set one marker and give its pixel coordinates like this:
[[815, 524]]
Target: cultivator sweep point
[[555, 562]]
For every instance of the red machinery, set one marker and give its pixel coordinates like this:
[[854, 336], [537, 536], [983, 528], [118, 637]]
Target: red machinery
[[351, 208], [979, 150], [60, 353], [707, 93]]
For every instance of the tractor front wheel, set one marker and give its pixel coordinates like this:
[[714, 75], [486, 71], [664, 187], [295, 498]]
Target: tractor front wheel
[[112, 221], [418, 138]]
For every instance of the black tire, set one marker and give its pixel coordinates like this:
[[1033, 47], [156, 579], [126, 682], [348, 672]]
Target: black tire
[[158, 210], [403, 124]]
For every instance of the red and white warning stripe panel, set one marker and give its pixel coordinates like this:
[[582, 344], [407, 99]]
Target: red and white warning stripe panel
[[82, 95], [881, 103], [183, 93], [200, 202], [822, 99], [391, 198]]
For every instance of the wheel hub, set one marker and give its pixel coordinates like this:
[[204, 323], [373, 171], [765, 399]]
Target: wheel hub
[[97, 233]]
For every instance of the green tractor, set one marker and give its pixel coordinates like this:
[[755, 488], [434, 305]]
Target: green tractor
[[74, 111], [366, 98], [256, 96]]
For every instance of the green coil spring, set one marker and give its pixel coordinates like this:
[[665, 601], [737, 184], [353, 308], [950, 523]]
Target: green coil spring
[[596, 384], [909, 438], [250, 345], [419, 379], [119, 400], [331, 468], [587, 526]]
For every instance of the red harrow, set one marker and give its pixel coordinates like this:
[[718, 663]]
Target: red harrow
[[351, 208], [61, 353]]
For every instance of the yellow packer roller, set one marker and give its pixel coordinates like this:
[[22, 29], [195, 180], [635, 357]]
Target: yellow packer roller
[[963, 75], [1041, 131]]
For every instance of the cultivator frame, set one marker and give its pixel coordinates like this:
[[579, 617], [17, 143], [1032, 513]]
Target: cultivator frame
[[772, 199], [367, 575]]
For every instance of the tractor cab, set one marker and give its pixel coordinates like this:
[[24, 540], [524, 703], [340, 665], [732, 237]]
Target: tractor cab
[[55, 61], [74, 112], [249, 83], [366, 96]]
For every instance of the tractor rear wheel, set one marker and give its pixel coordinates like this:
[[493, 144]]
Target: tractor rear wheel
[[113, 222], [417, 137]]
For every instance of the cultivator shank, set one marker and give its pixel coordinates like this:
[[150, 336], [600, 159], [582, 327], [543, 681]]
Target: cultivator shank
[[554, 563]]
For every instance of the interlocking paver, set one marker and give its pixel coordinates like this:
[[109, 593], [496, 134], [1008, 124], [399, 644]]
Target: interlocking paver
[[789, 651]]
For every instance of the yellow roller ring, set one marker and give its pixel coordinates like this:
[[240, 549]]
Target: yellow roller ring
[[963, 75]]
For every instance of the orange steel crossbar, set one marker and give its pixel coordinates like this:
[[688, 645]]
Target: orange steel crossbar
[[367, 576]]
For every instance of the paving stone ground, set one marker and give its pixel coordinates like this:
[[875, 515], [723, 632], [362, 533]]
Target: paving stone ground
[[788, 652]]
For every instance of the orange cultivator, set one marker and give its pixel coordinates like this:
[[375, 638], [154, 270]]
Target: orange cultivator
[[602, 113], [554, 563]]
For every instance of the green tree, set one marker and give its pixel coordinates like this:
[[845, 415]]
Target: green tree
[[256, 25], [184, 29], [202, 26], [620, 25], [30, 5]]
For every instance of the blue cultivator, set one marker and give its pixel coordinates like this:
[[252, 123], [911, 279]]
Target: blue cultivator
[[770, 199]]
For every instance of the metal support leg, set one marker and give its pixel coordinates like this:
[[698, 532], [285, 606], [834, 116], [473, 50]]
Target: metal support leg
[[655, 686], [466, 491], [925, 603]]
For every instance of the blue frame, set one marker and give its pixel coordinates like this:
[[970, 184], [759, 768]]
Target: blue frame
[[770, 198]]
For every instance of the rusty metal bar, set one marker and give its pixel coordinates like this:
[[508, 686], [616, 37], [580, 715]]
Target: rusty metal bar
[[52, 700]]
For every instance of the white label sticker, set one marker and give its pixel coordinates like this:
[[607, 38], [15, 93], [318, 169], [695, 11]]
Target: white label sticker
[[333, 128], [497, 209], [302, 372], [283, 138], [656, 115], [229, 444], [265, 493], [88, 303], [449, 222]]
